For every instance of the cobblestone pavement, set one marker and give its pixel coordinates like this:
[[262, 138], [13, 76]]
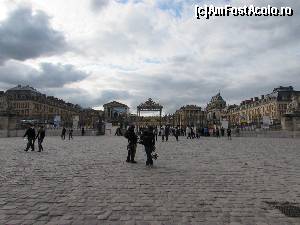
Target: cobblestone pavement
[[207, 181]]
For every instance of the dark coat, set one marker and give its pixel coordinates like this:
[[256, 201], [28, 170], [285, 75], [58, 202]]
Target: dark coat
[[41, 134], [148, 139], [30, 133], [131, 136]]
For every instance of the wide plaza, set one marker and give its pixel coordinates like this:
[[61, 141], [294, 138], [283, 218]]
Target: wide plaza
[[200, 181]]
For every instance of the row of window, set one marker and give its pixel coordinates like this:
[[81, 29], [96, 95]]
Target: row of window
[[21, 105]]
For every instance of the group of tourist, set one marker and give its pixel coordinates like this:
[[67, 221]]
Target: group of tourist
[[190, 132], [146, 138], [150, 134], [32, 136], [70, 132]]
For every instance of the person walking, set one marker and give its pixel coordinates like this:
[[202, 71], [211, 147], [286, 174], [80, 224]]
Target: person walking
[[222, 131], [162, 131], [229, 133], [217, 132], [70, 133], [205, 130], [237, 131], [132, 142], [82, 131], [199, 132], [148, 140], [30, 134], [40, 137], [188, 132], [177, 133], [155, 133], [192, 133], [63, 133], [167, 132]]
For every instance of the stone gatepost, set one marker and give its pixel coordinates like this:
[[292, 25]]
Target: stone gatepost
[[291, 120], [8, 119], [7, 125]]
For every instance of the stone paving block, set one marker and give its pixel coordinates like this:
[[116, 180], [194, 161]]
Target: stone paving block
[[14, 222], [200, 181], [105, 215]]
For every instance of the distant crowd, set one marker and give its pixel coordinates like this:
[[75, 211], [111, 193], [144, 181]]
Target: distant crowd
[[190, 132], [147, 136]]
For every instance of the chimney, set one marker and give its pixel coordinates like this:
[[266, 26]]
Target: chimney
[[251, 99], [262, 97]]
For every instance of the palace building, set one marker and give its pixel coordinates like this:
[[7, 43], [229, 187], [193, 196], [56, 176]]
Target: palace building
[[115, 112], [28, 104], [252, 112], [214, 109], [89, 118], [190, 115]]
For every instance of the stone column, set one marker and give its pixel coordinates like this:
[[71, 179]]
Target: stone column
[[7, 124]]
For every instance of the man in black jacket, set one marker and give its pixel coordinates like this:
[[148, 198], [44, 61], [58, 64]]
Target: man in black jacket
[[40, 136], [30, 133], [132, 141], [63, 133], [148, 140], [167, 132]]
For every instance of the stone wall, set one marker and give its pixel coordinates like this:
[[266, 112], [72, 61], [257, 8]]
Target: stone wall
[[268, 134]]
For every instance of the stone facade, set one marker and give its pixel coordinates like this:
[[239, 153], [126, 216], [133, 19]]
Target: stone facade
[[8, 118], [89, 118], [251, 112], [23, 104], [29, 104], [115, 112], [215, 109], [190, 115]]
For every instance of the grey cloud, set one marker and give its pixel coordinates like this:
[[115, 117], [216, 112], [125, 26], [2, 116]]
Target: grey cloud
[[243, 57], [110, 95], [98, 5], [84, 99], [27, 34], [134, 32], [49, 75], [73, 95], [54, 75]]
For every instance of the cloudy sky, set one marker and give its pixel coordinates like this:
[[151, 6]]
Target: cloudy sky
[[93, 51]]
